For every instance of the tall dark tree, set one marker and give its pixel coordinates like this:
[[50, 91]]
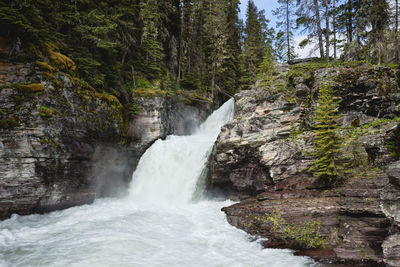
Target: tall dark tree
[[379, 20], [257, 37]]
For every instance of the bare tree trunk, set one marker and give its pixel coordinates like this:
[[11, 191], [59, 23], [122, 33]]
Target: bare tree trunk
[[334, 30], [319, 30], [396, 31], [349, 27], [289, 54], [213, 82], [327, 33], [182, 6], [379, 54], [133, 77]]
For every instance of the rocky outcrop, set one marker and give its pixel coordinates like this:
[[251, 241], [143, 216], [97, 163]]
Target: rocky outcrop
[[263, 156]]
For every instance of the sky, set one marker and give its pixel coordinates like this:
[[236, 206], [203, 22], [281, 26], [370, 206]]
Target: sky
[[269, 6]]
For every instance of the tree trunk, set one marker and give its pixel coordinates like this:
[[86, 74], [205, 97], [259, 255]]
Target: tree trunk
[[349, 27], [319, 30], [288, 31], [396, 31], [379, 54], [133, 77], [183, 16], [327, 33], [334, 30], [213, 82]]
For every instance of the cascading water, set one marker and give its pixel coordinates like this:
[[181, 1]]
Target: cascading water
[[158, 224], [168, 171]]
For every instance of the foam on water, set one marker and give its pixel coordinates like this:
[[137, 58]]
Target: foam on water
[[158, 224]]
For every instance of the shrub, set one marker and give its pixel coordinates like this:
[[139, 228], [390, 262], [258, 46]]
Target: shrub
[[306, 235]]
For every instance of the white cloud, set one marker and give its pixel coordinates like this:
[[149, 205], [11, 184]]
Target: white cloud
[[310, 50]]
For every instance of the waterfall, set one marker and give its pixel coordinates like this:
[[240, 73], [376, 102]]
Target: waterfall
[[169, 170], [157, 225]]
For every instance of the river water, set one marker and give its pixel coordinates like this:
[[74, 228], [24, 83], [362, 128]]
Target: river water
[[163, 221]]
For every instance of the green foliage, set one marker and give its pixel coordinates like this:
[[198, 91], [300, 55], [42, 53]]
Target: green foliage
[[304, 236], [134, 109], [379, 123], [257, 38], [328, 165], [188, 44], [266, 68], [143, 83], [47, 112], [13, 19]]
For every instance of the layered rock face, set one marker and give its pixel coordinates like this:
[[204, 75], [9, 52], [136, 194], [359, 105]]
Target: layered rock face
[[62, 145], [263, 157], [47, 138]]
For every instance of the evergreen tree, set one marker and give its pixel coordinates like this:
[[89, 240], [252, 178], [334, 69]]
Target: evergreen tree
[[253, 43], [379, 20], [150, 44], [285, 37], [257, 36], [328, 166], [266, 68], [231, 71]]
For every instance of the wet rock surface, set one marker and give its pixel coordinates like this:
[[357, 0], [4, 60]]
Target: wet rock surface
[[262, 158]]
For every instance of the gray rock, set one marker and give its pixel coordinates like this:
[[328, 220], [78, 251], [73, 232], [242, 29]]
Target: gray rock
[[391, 250], [393, 172]]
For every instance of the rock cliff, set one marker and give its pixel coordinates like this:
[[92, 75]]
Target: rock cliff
[[263, 157], [64, 144]]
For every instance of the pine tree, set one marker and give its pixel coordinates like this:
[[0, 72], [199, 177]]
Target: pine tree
[[266, 68], [253, 41], [286, 36], [152, 47], [379, 20], [257, 36], [231, 72], [328, 165]]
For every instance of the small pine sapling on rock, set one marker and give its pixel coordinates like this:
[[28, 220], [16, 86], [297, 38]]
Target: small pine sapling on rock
[[329, 164]]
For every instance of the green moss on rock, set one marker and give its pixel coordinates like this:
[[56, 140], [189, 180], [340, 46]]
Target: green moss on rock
[[31, 88], [303, 236], [47, 112]]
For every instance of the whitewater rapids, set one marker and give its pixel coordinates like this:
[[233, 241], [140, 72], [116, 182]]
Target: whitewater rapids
[[162, 222]]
